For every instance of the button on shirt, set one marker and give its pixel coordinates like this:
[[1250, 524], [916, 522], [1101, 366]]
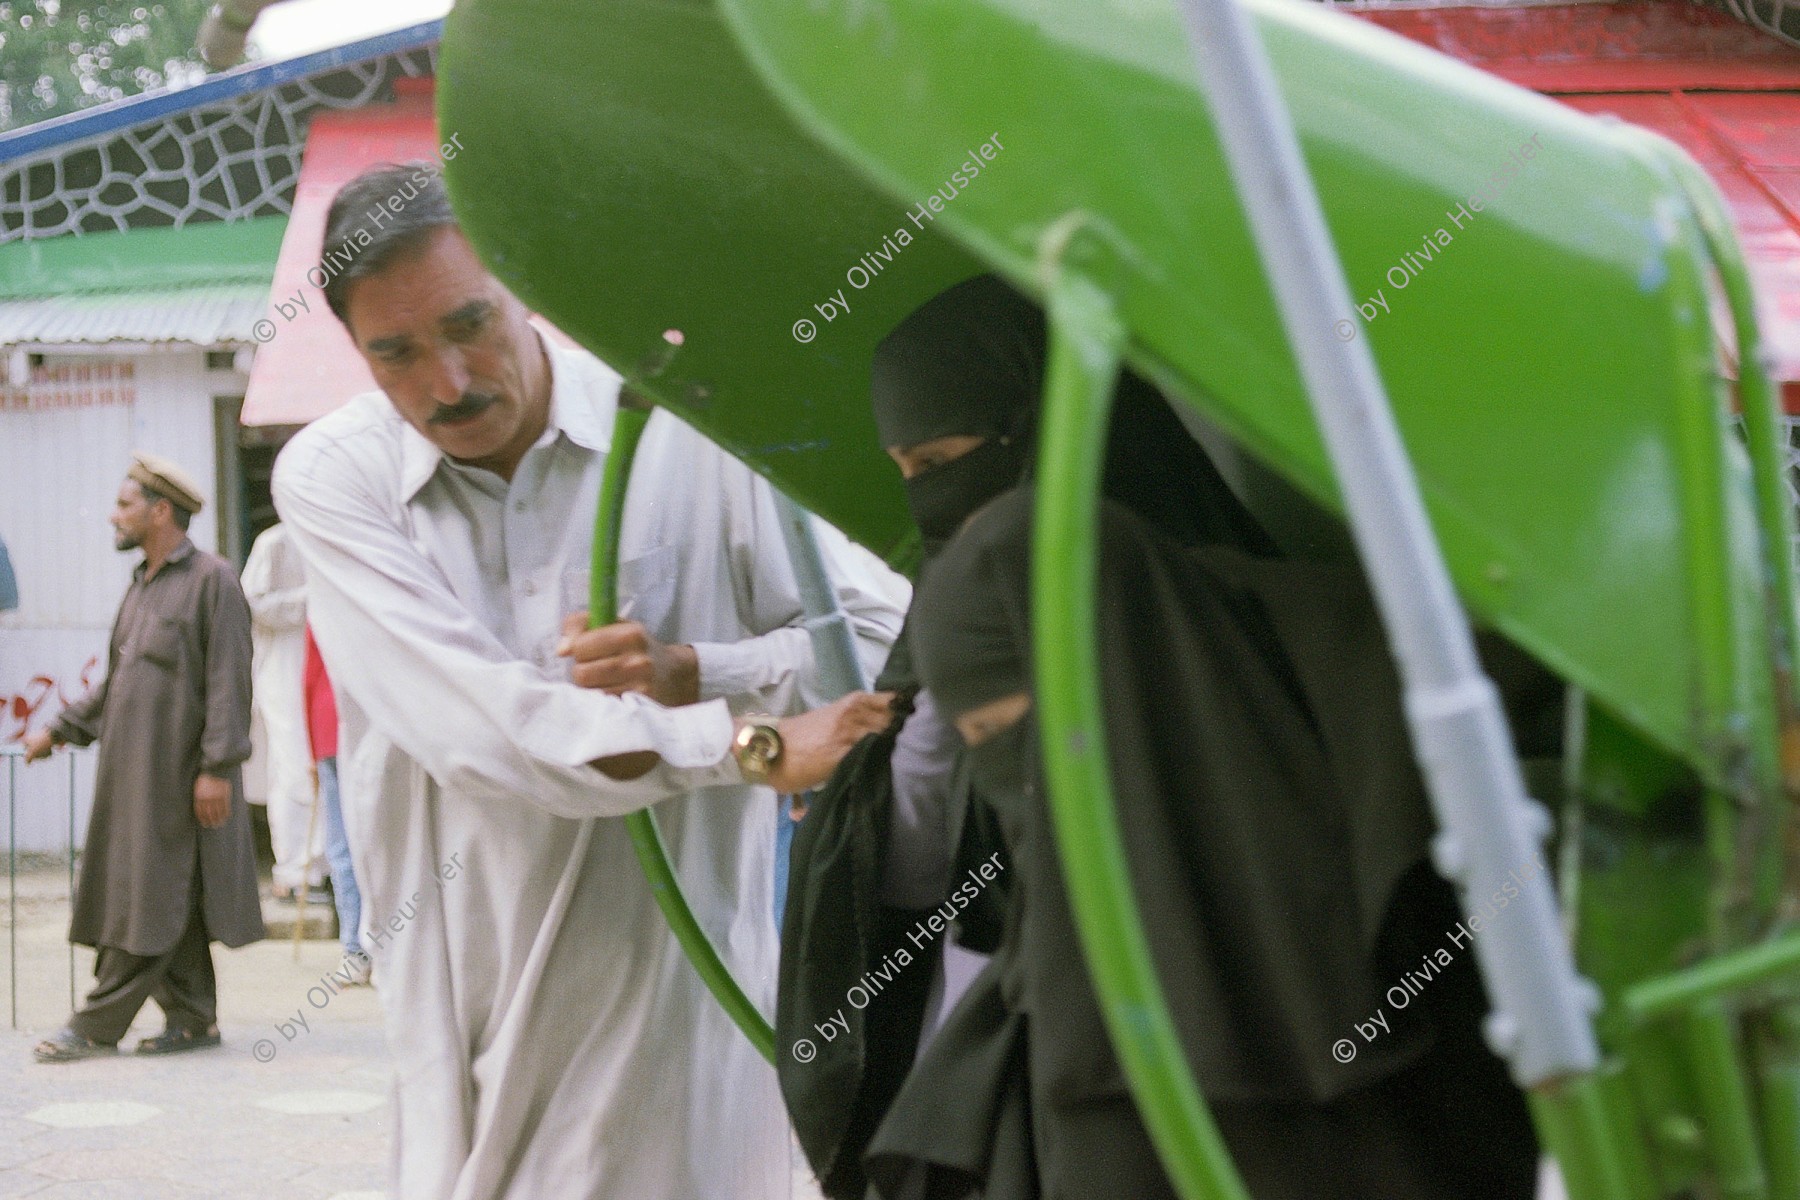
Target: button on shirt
[[549, 1037]]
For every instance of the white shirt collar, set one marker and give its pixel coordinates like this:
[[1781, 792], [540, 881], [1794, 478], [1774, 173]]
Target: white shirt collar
[[583, 402]]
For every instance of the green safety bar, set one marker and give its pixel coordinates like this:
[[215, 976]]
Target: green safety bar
[[646, 837], [1086, 338], [1759, 401]]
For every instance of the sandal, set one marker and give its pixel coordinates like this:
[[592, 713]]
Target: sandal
[[174, 1041], [68, 1046]]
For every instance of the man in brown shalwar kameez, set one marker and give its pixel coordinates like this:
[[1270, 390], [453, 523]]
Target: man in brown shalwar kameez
[[168, 866]]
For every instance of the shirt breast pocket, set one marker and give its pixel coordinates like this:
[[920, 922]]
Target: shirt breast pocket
[[647, 590], [161, 643]]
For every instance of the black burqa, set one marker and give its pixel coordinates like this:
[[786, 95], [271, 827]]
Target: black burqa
[[1276, 829], [968, 362]]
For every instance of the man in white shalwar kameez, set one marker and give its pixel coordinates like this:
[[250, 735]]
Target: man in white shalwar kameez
[[551, 1041], [275, 585]]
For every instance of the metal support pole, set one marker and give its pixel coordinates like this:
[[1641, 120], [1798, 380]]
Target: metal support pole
[[1780, 1107], [12, 882], [71, 878], [1711, 978], [834, 644], [1586, 1125], [1724, 1103], [1489, 828]]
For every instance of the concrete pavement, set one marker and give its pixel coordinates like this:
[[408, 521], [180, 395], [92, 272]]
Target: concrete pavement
[[280, 1112], [310, 1123]]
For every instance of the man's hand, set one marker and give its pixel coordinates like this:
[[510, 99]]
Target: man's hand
[[212, 800], [623, 657], [38, 745], [813, 743]]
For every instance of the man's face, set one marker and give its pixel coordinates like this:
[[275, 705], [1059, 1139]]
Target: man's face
[[450, 346], [132, 516]]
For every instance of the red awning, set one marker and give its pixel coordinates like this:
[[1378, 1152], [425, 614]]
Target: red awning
[[1726, 93], [307, 365]]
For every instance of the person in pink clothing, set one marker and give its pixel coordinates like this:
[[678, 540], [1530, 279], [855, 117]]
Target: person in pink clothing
[[322, 729]]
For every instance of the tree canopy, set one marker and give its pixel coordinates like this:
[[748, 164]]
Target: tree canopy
[[58, 56]]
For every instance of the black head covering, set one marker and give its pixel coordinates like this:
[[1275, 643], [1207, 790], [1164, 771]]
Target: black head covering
[[970, 361]]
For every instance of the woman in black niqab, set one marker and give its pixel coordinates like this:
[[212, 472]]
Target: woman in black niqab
[[1275, 827], [956, 390]]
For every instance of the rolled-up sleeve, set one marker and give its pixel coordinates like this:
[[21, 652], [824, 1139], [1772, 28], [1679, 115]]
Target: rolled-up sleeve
[[443, 688], [776, 671]]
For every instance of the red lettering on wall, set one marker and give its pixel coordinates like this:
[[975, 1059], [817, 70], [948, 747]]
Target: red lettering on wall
[[19, 710]]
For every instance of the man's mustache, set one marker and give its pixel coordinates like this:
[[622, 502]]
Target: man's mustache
[[470, 404]]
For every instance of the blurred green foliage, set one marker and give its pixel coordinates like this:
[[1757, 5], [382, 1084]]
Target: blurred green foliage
[[59, 56]]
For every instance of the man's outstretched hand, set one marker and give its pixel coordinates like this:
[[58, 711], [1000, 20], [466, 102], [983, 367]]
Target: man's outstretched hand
[[813, 743]]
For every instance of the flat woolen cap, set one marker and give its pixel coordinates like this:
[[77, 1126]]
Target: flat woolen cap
[[158, 473]]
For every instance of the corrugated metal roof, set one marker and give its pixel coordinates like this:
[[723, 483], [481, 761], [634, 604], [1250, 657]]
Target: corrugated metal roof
[[205, 315]]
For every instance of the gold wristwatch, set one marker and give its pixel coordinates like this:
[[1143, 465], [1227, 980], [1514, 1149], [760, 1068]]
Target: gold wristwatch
[[757, 747]]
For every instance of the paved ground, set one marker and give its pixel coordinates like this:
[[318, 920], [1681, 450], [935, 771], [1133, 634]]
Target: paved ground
[[295, 1115], [308, 1124]]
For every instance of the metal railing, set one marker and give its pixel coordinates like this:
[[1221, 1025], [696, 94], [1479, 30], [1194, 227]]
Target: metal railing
[[13, 755]]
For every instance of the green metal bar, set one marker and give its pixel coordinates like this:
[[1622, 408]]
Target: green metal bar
[[1757, 964], [1757, 871], [646, 837], [1086, 337], [1781, 1128], [1779, 1075], [1599, 1152], [603, 582], [1761, 407], [1725, 1103]]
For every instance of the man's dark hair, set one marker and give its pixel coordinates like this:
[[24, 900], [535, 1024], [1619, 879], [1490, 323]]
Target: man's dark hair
[[383, 214], [182, 516]]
